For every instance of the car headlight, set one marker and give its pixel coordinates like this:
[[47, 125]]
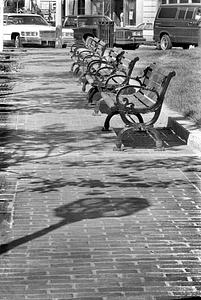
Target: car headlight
[[29, 33], [137, 33], [67, 34]]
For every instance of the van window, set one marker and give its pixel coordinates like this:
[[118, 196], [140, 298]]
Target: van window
[[182, 12], [183, 1], [189, 14], [167, 12], [196, 1], [172, 1]]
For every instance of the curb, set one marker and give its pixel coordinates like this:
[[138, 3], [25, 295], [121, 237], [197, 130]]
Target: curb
[[187, 130]]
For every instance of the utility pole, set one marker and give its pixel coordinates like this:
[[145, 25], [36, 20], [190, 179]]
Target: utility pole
[[125, 12], [1, 25], [58, 24]]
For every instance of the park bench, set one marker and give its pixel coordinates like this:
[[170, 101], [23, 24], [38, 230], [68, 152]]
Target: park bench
[[81, 45], [136, 102], [102, 67], [82, 56], [110, 78]]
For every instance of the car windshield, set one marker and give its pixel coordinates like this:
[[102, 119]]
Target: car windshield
[[27, 20], [70, 22], [82, 21], [145, 26]]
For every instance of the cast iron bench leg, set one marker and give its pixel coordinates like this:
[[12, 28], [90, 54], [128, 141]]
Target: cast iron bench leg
[[106, 126], [151, 131]]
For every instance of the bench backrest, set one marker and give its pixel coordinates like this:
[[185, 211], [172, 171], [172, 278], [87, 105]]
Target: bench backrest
[[149, 97], [124, 71], [100, 47], [156, 82], [127, 64], [116, 55]]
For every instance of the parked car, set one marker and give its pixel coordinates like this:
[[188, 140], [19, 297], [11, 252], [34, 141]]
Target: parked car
[[84, 25], [177, 25], [128, 38], [147, 31], [27, 29], [70, 22], [102, 27]]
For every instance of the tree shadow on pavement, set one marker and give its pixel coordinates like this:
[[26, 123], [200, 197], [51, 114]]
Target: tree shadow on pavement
[[57, 140], [25, 146], [99, 207], [127, 175], [30, 101]]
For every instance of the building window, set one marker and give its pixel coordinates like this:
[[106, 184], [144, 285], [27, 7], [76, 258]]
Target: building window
[[81, 7]]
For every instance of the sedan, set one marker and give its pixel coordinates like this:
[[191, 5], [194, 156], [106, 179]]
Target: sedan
[[27, 29]]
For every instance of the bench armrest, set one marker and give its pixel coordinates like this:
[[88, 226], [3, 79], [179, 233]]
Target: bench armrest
[[101, 62], [129, 94]]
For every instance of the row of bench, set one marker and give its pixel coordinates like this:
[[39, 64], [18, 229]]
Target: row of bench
[[115, 91]]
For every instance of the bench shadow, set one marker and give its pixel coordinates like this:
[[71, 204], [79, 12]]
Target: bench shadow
[[141, 140], [87, 208]]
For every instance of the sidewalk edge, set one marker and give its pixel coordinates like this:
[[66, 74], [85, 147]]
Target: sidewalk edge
[[186, 130]]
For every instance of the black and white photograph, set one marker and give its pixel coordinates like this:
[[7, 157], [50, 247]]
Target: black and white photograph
[[100, 149]]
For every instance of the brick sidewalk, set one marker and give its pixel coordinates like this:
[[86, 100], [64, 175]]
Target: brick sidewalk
[[87, 222]]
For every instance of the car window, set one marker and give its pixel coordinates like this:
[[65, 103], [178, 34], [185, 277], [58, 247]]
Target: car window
[[82, 21], [70, 22], [27, 20], [182, 12], [87, 21], [189, 14], [141, 26], [148, 26], [167, 12]]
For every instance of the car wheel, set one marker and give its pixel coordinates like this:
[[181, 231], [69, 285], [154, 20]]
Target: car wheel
[[165, 42], [133, 47], [17, 42], [185, 47]]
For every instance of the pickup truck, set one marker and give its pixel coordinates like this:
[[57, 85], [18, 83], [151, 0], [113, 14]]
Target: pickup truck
[[103, 27]]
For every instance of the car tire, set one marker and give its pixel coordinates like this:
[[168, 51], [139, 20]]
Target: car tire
[[17, 42], [165, 42], [185, 46]]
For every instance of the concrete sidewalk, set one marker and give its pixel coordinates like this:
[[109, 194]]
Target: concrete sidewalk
[[81, 221]]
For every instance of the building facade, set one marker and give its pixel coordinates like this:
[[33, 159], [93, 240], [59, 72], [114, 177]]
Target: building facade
[[126, 12]]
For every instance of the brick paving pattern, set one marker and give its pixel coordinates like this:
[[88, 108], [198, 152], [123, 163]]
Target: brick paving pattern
[[81, 221]]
